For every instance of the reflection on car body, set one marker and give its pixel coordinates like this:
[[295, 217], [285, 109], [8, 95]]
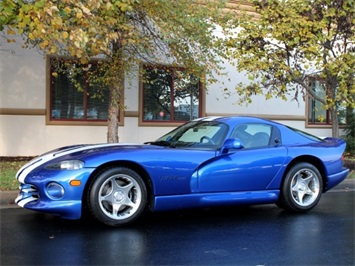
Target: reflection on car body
[[212, 161]]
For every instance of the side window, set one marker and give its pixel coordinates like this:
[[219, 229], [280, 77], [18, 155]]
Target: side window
[[253, 135]]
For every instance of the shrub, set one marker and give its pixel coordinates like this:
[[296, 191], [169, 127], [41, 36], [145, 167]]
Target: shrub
[[350, 133]]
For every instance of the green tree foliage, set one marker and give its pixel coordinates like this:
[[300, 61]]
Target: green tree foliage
[[291, 44], [123, 32], [350, 132]]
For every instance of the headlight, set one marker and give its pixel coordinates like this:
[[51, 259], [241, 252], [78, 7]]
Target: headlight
[[66, 165], [55, 191]]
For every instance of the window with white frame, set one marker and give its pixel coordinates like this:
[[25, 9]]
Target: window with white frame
[[74, 96], [170, 95]]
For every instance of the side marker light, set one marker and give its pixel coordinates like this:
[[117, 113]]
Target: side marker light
[[75, 183]]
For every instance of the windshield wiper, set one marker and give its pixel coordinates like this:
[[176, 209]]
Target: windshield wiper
[[161, 143]]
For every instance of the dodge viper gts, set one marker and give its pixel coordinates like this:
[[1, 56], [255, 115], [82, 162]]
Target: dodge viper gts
[[212, 161]]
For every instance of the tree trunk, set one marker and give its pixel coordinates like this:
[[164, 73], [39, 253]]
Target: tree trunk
[[117, 77], [335, 122], [113, 114]]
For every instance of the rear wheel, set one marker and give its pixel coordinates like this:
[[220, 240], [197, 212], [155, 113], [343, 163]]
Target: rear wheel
[[117, 196], [302, 188]]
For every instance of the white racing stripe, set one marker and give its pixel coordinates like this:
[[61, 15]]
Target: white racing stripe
[[22, 202], [26, 169], [208, 118]]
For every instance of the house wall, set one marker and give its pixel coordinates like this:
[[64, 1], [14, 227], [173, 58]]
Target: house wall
[[23, 128]]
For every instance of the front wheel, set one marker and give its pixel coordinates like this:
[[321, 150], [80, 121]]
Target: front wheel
[[301, 189], [117, 196]]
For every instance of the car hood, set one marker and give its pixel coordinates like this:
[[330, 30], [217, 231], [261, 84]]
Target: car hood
[[78, 151], [91, 148], [85, 151]]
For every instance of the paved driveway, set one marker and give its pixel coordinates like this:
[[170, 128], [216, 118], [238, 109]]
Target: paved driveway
[[257, 235]]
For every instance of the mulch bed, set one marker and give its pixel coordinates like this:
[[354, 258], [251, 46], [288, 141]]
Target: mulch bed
[[350, 164], [15, 158]]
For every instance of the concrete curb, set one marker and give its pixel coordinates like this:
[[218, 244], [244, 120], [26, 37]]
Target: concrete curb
[[7, 198]]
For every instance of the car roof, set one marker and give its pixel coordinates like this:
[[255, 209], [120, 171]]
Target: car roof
[[237, 119]]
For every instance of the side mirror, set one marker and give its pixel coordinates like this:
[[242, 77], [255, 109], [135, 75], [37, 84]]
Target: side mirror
[[231, 144]]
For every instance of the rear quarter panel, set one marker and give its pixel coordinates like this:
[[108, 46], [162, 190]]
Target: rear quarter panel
[[329, 153]]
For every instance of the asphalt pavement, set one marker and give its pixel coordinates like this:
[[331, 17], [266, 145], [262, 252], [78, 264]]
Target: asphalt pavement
[[235, 235]]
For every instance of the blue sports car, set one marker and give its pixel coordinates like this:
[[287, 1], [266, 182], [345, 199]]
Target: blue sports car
[[212, 161]]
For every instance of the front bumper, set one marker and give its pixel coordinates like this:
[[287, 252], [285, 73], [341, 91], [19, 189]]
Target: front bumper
[[35, 194], [68, 209]]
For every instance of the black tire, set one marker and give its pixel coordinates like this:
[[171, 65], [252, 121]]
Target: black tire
[[117, 196], [302, 188]]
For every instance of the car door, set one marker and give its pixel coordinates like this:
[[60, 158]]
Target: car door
[[250, 168]]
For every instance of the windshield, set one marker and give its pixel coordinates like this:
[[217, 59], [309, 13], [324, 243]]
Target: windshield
[[195, 134]]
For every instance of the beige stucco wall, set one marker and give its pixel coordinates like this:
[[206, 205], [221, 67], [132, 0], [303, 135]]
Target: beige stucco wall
[[22, 78], [23, 87], [29, 136], [217, 101]]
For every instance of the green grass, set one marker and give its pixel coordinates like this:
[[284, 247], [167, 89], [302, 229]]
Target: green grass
[[8, 171]]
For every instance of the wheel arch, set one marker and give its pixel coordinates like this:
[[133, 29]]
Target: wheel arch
[[122, 163], [308, 159]]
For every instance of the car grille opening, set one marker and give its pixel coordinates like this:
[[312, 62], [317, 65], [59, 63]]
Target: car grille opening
[[28, 195]]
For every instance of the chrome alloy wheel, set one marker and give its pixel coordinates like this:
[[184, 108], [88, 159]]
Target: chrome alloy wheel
[[305, 187], [120, 196]]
